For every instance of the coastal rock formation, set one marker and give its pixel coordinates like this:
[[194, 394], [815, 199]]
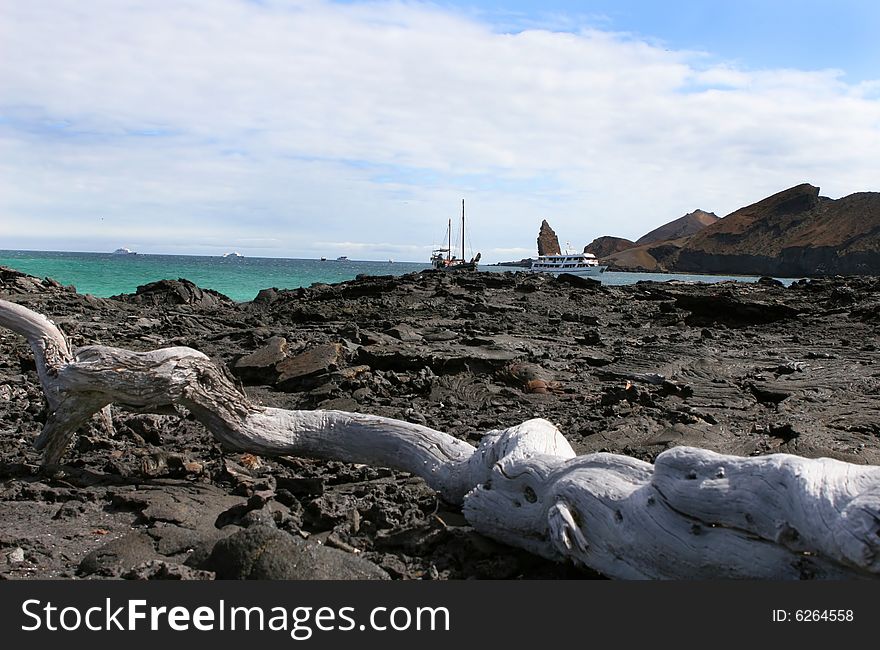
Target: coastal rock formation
[[689, 224], [603, 247], [176, 292], [793, 233], [745, 369], [548, 243]]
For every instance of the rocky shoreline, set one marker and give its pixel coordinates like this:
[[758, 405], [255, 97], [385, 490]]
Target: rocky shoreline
[[738, 368]]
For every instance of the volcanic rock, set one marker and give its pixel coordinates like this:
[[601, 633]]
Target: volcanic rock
[[731, 310], [176, 292], [738, 368], [548, 243], [260, 367], [578, 281], [118, 555], [16, 282], [307, 367], [162, 570], [266, 553], [404, 332]]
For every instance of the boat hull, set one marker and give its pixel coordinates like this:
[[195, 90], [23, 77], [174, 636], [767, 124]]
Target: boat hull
[[587, 272], [464, 266]]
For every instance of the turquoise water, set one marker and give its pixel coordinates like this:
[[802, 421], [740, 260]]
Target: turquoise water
[[240, 278], [105, 274]]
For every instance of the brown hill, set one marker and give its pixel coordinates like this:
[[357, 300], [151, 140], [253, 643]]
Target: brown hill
[[793, 233], [655, 251], [632, 259], [648, 257], [604, 246], [685, 226]]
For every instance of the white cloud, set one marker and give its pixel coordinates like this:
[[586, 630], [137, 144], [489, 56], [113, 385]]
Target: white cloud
[[200, 123]]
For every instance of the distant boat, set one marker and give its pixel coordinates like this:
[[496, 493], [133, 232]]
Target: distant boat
[[123, 251], [444, 260], [233, 254], [323, 259], [391, 261], [584, 264], [342, 258]]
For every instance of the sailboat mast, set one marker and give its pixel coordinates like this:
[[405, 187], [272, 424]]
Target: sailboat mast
[[462, 230], [449, 246]]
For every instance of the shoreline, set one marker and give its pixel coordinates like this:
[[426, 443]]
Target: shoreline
[[106, 275]]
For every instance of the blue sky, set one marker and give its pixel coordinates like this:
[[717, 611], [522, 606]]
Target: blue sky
[[308, 128], [803, 34]]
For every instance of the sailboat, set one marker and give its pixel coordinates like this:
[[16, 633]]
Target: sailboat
[[444, 260]]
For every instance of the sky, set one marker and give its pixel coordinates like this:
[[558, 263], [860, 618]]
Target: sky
[[309, 128]]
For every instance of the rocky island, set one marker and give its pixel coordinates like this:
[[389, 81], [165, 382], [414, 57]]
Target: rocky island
[[794, 233], [743, 369]]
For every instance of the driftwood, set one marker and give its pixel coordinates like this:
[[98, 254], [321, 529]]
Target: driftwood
[[694, 514]]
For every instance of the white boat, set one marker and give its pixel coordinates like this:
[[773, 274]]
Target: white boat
[[124, 251], [443, 259], [233, 254], [572, 263], [342, 258]]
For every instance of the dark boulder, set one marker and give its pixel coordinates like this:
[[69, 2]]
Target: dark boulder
[[266, 553], [259, 367], [118, 555], [175, 292], [307, 368], [731, 310], [577, 281]]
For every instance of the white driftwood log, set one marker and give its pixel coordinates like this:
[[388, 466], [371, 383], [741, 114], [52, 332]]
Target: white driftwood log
[[693, 514]]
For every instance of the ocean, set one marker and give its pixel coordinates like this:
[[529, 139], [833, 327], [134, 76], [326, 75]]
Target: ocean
[[241, 278]]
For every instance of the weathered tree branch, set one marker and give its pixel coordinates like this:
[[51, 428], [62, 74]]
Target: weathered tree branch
[[693, 514]]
